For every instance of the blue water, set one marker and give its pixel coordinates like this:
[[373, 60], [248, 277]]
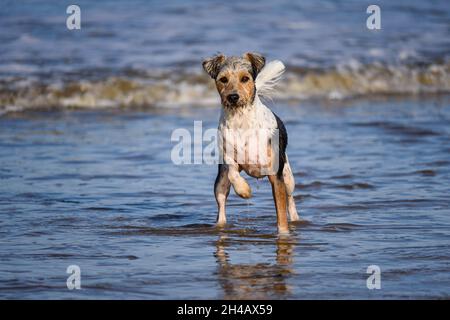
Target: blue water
[[141, 34], [86, 177], [98, 189]]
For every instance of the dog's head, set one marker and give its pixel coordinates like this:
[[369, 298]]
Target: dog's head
[[235, 77]]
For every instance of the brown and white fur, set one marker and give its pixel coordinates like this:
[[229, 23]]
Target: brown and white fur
[[239, 86]]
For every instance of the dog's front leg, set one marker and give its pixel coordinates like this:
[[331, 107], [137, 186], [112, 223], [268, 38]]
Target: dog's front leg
[[221, 191], [279, 196], [240, 186]]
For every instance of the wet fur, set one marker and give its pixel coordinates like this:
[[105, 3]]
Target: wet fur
[[237, 76]]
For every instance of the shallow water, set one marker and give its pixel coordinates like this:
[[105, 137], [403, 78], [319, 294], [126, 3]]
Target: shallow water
[[97, 189]]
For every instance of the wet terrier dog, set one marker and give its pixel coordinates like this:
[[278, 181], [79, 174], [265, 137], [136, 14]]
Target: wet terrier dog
[[240, 81]]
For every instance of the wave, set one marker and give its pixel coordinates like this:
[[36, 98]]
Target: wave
[[182, 88]]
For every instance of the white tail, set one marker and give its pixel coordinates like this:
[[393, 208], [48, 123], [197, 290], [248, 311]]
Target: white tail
[[268, 78]]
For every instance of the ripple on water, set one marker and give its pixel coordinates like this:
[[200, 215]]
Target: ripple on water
[[316, 185], [340, 227], [398, 128], [426, 172]]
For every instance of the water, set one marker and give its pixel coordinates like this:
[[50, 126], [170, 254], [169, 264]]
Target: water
[[86, 176], [98, 189], [148, 53]]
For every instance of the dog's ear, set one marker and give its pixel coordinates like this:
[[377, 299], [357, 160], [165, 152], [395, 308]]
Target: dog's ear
[[212, 65], [257, 61]]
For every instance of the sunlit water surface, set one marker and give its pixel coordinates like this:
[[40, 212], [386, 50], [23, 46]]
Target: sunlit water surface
[[98, 189]]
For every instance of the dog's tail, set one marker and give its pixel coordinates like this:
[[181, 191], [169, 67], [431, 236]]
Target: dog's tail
[[268, 78]]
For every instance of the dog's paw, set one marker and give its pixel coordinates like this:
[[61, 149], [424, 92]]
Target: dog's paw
[[221, 223], [246, 194], [283, 230], [242, 189]]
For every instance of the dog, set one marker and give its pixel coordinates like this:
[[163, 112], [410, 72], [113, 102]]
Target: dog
[[240, 81]]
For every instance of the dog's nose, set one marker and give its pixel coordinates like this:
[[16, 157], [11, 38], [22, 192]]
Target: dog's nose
[[233, 98]]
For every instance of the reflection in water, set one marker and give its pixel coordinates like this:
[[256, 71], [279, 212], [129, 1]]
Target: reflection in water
[[255, 281]]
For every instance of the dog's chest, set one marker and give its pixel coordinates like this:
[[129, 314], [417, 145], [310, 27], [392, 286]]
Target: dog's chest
[[247, 134], [255, 117]]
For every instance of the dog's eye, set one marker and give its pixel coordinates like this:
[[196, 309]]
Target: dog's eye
[[245, 79], [223, 80]]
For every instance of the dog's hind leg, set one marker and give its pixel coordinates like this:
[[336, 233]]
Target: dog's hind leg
[[290, 185], [221, 191]]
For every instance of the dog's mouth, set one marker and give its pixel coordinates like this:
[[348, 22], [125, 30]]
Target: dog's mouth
[[233, 105]]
